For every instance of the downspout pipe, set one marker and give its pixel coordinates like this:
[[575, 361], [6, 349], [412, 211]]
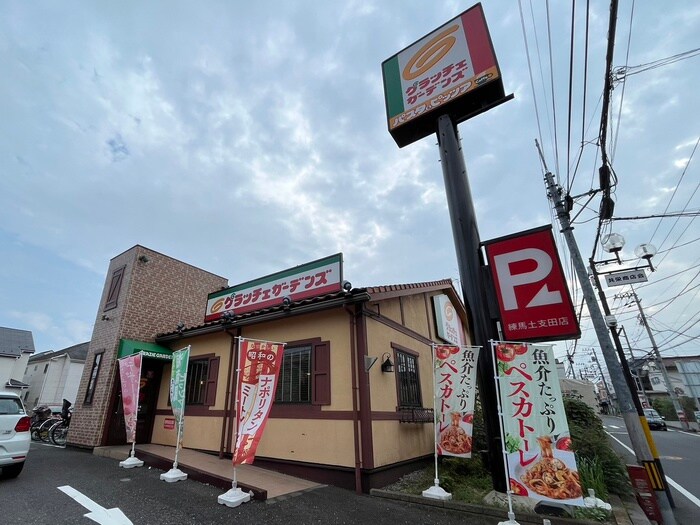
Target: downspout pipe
[[224, 427], [355, 418]]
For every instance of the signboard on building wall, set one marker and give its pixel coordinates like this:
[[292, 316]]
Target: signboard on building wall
[[533, 297], [308, 280], [451, 71], [448, 324]]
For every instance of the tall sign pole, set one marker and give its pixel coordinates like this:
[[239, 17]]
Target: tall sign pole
[[624, 396], [445, 78], [467, 244]]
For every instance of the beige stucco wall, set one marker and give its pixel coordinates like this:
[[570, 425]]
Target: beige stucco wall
[[203, 433], [308, 440], [394, 441], [383, 385], [333, 326], [327, 442], [415, 308]]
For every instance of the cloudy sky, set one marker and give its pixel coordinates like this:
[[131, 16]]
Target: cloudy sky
[[245, 138]]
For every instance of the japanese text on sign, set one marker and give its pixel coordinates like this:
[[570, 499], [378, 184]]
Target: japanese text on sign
[[536, 434], [305, 281], [455, 391]]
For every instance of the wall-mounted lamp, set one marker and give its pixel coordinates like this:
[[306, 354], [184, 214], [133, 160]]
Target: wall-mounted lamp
[[180, 327], [227, 316], [286, 303], [347, 286], [143, 259], [369, 362], [105, 317], [387, 365]]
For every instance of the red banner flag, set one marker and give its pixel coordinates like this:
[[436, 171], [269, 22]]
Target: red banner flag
[[259, 363], [130, 376]]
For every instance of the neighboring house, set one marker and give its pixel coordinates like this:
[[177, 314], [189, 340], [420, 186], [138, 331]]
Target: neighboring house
[[683, 373], [15, 348], [54, 376]]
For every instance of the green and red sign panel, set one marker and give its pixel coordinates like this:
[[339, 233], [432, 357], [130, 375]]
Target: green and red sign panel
[[319, 277], [452, 71]]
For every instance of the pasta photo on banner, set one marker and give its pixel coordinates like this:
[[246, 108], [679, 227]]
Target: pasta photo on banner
[[259, 363], [130, 377], [540, 463], [455, 391]]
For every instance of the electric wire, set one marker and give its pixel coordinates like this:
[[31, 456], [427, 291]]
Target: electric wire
[[551, 79], [678, 184], [569, 181], [529, 69], [624, 85]]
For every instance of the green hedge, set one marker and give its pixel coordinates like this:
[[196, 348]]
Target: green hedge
[[593, 451]]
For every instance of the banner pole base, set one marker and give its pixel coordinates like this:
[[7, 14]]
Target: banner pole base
[[437, 492], [511, 520], [131, 462], [234, 497], [173, 475]]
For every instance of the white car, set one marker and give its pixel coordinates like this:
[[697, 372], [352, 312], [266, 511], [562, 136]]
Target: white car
[[14, 434]]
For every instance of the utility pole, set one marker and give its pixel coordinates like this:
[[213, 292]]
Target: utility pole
[[608, 392], [626, 405], [635, 376], [657, 356]]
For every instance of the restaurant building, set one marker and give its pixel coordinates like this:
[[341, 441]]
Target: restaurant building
[[353, 406]]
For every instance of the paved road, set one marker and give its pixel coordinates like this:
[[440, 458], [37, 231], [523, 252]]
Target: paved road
[[680, 456], [34, 499]]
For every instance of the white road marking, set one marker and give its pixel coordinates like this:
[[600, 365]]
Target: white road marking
[[675, 485], [97, 512], [612, 426], [695, 434]]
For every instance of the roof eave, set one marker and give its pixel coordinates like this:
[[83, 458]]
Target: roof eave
[[273, 314]]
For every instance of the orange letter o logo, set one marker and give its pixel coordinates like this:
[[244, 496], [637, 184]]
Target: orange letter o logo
[[430, 54]]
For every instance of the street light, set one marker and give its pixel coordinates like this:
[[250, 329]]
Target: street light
[[613, 243], [646, 252]]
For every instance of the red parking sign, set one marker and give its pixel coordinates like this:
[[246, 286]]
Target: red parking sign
[[533, 298]]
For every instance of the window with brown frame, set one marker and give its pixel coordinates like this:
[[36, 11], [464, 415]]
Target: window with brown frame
[[407, 379], [94, 373], [305, 374], [202, 378], [114, 288]]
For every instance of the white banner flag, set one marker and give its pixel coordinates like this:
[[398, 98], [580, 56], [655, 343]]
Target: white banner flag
[[540, 463], [455, 391]]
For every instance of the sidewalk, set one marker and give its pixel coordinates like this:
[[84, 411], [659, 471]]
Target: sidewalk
[[266, 485]]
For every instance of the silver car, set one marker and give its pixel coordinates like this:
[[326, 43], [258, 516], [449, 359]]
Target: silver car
[[14, 434]]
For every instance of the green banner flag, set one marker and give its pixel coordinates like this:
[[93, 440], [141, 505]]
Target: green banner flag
[[178, 380]]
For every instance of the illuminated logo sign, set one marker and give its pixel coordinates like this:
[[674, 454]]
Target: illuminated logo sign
[[439, 74], [301, 282], [533, 298]]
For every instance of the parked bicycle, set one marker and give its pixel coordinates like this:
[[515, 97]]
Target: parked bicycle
[[41, 421], [59, 431]]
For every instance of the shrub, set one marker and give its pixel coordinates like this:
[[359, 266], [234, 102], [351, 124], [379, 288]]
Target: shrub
[[664, 406], [590, 443]]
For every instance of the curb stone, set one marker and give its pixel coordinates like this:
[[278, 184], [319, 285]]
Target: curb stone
[[620, 514]]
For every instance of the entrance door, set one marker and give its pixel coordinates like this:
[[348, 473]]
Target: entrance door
[[151, 373]]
